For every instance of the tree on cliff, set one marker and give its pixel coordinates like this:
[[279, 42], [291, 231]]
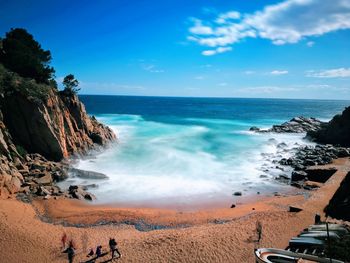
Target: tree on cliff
[[22, 54], [70, 84]]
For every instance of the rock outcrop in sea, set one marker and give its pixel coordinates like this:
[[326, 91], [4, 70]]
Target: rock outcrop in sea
[[295, 125], [36, 133], [334, 138]]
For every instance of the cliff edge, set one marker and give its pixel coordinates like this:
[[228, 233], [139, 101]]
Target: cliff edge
[[40, 126], [55, 127], [336, 132]]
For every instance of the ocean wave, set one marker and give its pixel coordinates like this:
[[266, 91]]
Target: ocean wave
[[158, 160]]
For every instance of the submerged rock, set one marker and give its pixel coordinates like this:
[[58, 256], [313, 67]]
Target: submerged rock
[[87, 174]]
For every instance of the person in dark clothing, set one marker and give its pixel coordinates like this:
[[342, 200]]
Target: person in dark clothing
[[98, 251], [70, 252], [91, 253], [113, 247], [317, 219]]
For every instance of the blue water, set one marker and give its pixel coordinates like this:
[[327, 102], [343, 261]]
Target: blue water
[[186, 151]]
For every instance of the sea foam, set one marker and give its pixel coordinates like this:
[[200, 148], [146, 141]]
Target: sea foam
[[182, 160]]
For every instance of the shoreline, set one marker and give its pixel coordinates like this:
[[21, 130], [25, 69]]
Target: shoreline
[[70, 211], [221, 235]]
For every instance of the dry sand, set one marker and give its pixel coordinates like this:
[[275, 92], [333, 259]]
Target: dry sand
[[222, 235]]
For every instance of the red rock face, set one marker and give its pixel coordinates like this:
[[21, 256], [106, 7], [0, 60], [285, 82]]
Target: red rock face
[[56, 128]]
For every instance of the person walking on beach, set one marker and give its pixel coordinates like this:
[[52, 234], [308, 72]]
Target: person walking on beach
[[113, 247], [70, 252], [259, 230], [64, 240], [98, 251], [91, 253]]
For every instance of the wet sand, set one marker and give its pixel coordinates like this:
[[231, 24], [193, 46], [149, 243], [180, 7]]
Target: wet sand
[[208, 235]]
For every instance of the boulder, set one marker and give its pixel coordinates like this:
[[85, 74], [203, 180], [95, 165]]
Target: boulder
[[87, 174], [320, 175], [254, 128], [78, 192], [89, 196], [14, 185], [39, 166], [298, 175], [46, 179], [294, 209]]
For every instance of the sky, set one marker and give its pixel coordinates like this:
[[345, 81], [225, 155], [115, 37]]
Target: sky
[[197, 48]]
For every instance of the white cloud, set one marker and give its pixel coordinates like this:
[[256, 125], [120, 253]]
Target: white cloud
[[330, 73], [279, 72], [199, 77], [227, 17], [249, 72], [310, 43], [218, 50], [266, 89], [200, 29], [286, 22], [222, 84], [151, 68]]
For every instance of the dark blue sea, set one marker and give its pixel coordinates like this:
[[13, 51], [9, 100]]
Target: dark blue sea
[[186, 151]]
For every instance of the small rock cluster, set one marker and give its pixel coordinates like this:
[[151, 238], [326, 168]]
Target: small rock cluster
[[315, 155], [306, 156], [295, 125], [79, 192], [35, 176]]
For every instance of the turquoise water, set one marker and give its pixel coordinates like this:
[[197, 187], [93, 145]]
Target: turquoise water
[[187, 151]]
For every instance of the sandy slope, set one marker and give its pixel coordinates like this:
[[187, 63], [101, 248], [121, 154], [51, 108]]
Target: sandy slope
[[25, 238]]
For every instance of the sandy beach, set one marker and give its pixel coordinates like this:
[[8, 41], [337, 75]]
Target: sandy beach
[[32, 232]]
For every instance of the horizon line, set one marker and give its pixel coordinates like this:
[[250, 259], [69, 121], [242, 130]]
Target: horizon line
[[212, 97]]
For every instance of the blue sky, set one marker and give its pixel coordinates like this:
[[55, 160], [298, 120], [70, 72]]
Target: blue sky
[[221, 48]]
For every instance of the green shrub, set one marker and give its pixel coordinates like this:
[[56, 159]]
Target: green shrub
[[21, 151]]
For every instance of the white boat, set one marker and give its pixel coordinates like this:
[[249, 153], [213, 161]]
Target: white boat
[[323, 235], [273, 255]]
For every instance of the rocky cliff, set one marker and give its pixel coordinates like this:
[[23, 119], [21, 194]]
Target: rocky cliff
[[55, 128], [337, 131], [36, 133]]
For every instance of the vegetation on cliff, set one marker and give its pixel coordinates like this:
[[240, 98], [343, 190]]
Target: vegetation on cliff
[[35, 115], [337, 131], [38, 124], [22, 54]]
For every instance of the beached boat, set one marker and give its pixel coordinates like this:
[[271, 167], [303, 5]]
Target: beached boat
[[339, 229], [307, 242], [323, 235], [272, 255]]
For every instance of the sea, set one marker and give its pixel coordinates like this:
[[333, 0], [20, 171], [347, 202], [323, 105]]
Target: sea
[[177, 152]]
